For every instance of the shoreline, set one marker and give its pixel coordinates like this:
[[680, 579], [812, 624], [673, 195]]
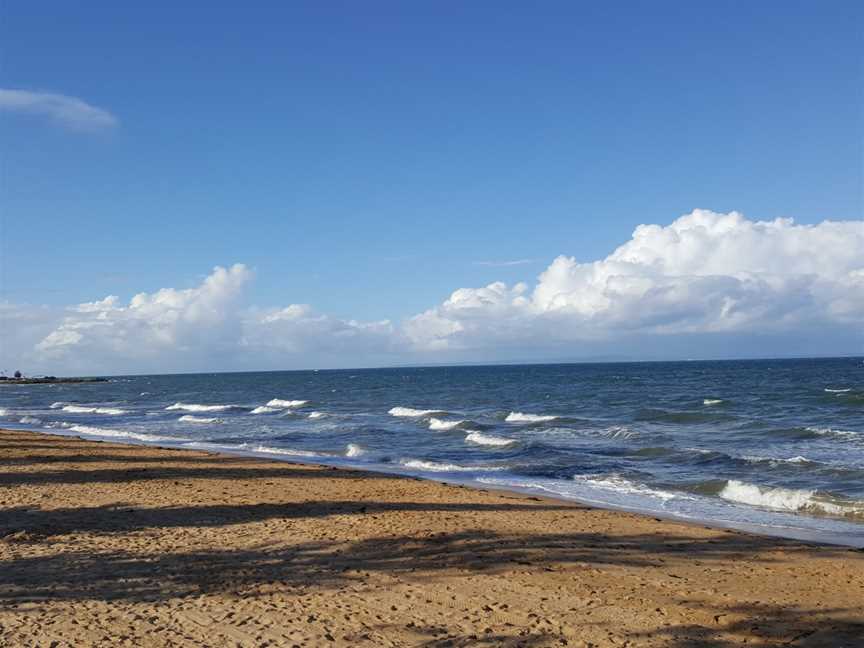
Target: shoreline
[[106, 542], [798, 534]]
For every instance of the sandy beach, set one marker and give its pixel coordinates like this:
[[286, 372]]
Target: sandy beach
[[110, 544]]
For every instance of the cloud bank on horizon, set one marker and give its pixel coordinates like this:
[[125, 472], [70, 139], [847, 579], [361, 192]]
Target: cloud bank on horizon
[[67, 112], [707, 284]]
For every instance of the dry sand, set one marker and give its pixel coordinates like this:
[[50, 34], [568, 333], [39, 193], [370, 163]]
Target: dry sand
[[104, 544]]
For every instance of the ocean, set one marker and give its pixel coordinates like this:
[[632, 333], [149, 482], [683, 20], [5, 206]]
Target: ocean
[[769, 446]]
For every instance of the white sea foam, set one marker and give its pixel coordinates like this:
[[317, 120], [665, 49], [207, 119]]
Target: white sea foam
[[487, 439], [410, 412], [838, 391], [775, 461], [699, 450], [434, 466], [91, 430], [195, 407], [622, 485], [619, 432], [3, 411], [519, 417], [712, 401], [832, 432], [252, 447], [263, 409], [188, 418], [285, 404], [316, 415], [354, 450], [30, 420], [787, 499], [58, 405], [79, 409], [281, 451], [438, 424]]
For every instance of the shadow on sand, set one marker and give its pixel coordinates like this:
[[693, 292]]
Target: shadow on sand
[[160, 574]]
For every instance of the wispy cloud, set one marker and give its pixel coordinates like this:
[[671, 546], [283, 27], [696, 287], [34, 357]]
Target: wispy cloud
[[68, 112], [501, 264]]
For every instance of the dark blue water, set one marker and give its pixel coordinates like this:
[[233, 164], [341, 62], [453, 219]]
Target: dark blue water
[[775, 446]]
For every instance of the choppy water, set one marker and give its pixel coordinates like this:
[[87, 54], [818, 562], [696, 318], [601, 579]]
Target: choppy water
[[773, 446]]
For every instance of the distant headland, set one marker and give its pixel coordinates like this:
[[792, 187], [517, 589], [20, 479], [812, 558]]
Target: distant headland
[[18, 379]]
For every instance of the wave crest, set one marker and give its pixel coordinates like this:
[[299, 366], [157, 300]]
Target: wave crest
[[620, 484], [278, 402], [438, 424], [263, 409], [832, 432], [80, 409], [791, 500], [195, 407], [434, 466], [520, 417], [488, 439], [91, 430], [354, 450], [410, 412], [776, 461], [188, 418]]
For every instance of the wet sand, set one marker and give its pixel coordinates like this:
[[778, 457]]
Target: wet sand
[[104, 544]]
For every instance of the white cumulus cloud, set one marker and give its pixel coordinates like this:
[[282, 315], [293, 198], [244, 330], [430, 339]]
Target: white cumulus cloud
[[706, 284], [299, 329], [69, 112], [704, 273], [153, 326]]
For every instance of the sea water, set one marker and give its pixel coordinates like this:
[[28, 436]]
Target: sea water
[[772, 446]]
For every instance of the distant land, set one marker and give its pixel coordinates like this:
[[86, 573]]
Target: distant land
[[5, 380]]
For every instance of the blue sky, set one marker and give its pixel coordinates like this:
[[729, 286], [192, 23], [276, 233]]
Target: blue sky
[[367, 158]]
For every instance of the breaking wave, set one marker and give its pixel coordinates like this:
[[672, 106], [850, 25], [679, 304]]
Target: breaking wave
[[832, 432], [30, 420], [195, 407], [438, 424], [488, 439], [91, 430], [776, 461], [282, 451], [795, 501], [838, 391], [79, 409], [253, 447], [620, 484], [354, 450], [278, 402], [188, 418], [519, 417], [316, 415], [410, 412], [712, 401], [263, 409], [434, 466]]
